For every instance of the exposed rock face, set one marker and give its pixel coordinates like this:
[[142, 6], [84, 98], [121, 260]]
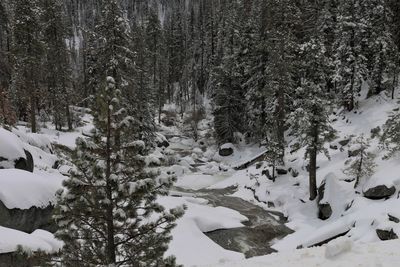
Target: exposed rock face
[[226, 150], [25, 164], [163, 144], [344, 142], [334, 147], [324, 208], [379, 192], [386, 234], [27, 220], [354, 152], [281, 171]]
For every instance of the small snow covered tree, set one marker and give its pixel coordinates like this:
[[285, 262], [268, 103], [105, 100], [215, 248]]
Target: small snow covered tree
[[390, 138], [108, 214], [363, 165], [274, 156]]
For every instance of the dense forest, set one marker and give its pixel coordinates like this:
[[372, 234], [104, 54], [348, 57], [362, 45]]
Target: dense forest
[[273, 71]]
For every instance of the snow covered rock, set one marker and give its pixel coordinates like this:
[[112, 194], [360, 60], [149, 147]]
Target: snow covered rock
[[344, 142], [26, 163], [226, 150], [27, 220], [12, 152], [27, 199], [329, 205], [11, 240], [379, 192]]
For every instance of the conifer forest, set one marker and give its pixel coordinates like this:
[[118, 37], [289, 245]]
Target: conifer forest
[[199, 133]]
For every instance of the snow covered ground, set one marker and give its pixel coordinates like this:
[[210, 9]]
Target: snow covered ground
[[341, 254], [199, 166]]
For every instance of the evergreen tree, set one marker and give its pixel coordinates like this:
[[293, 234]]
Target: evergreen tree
[[228, 99], [108, 213], [363, 165], [390, 138], [57, 72], [27, 50], [310, 120], [350, 46]]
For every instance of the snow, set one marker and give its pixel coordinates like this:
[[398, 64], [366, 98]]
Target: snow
[[366, 255], [23, 190], [189, 244], [198, 181], [39, 240], [11, 148]]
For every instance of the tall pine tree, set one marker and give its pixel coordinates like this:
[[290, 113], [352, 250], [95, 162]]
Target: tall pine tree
[[108, 213]]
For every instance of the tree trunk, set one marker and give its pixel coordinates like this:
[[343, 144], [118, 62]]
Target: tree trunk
[[313, 164], [313, 173], [111, 257], [33, 113]]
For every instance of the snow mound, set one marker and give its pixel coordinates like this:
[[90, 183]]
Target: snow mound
[[39, 240], [23, 190], [365, 255], [11, 148], [338, 246], [189, 244]]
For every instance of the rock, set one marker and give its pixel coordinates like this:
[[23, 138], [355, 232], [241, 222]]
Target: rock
[[344, 142], [324, 208], [393, 219], [163, 144], [27, 220], [259, 165], [267, 174], [375, 132], [386, 234], [56, 164], [334, 147], [281, 171], [293, 172], [354, 153], [379, 192], [25, 164], [226, 150]]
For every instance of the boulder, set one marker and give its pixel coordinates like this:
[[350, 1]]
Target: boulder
[[267, 174], [281, 171], [293, 172], [333, 147], [344, 142], [386, 234], [327, 197], [25, 164], [379, 192], [353, 152], [163, 144], [393, 218], [226, 150]]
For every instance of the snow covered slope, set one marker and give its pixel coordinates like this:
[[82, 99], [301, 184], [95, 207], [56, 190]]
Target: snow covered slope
[[343, 253]]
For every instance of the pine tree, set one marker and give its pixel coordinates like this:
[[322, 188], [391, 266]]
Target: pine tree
[[390, 138], [108, 213], [310, 120], [27, 50], [57, 71], [228, 99], [383, 54], [363, 165], [350, 58]]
